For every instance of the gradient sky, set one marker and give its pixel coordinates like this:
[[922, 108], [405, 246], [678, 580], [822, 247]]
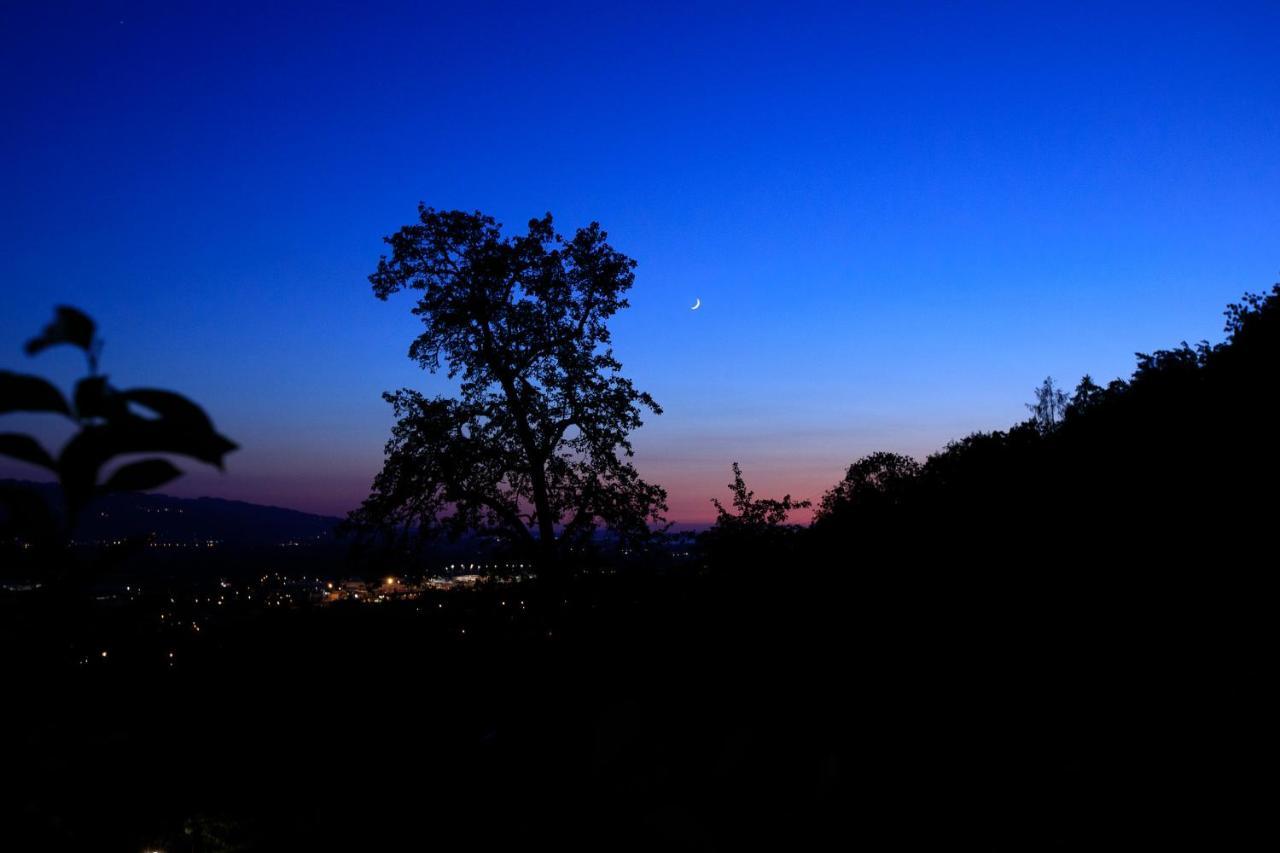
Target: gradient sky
[[899, 218]]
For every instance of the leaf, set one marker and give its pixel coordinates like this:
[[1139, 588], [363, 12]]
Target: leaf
[[97, 444], [140, 476], [24, 447], [170, 406], [69, 326], [21, 392], [94, 398], [87, 451]]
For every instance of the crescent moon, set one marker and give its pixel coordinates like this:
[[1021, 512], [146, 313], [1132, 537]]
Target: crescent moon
[[697, 304]]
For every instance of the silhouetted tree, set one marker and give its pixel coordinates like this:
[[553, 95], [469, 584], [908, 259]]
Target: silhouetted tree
[[1087, 395], [753, 514], [755, 531], [110, 426], [1050, 406], [534, 448], [878, 481]]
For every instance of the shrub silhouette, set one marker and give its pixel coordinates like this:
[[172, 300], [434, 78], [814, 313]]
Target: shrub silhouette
[[756, 527]]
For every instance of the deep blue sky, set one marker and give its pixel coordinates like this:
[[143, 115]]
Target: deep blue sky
[[899, 218]]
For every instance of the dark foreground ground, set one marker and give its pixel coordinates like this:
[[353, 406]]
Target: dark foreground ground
[[637, 711]]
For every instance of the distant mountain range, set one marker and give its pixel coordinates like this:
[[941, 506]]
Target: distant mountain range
[[236, 524], [183, 520]]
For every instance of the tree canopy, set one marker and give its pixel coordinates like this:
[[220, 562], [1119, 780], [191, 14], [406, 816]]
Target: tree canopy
[[534, 448], [752, 513], [878, 480], [1050, 406]]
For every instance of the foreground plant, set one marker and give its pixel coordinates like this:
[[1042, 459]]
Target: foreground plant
[[112, 423]]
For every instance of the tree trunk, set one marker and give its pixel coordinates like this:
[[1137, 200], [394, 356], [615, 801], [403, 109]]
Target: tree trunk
[[547, 563]]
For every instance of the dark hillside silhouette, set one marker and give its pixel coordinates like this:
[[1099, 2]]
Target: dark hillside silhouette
[[1081, 598], [162, 518], [1054, 636], [1158, 472]]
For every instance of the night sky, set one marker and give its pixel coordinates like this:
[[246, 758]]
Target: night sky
[[899, 220]]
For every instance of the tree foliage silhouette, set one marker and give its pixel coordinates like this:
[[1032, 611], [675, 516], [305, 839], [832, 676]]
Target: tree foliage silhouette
[[1087, 394], [1183, 447], [751, 530], [1050, 405], [111, 425], [752, 513], [534, 449], [877, 481]]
